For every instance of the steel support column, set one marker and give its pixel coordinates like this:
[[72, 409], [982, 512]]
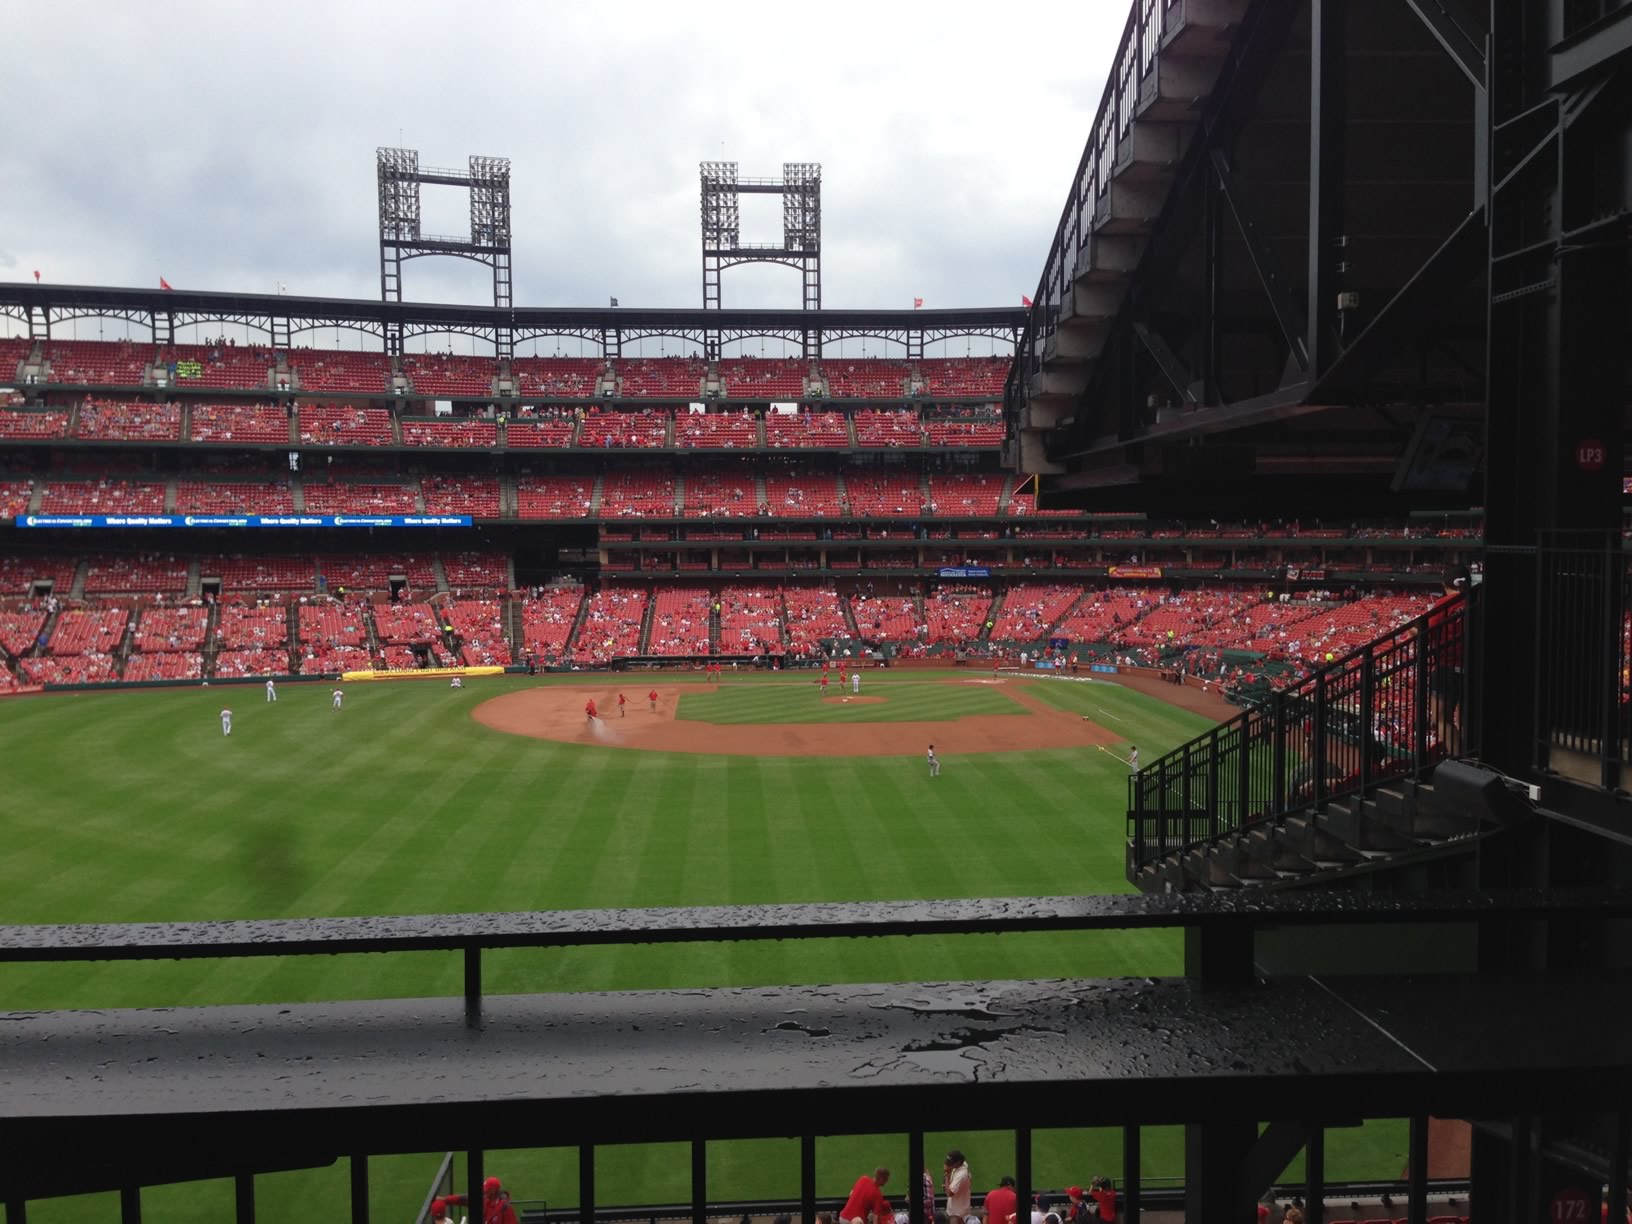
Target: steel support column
[[1328, 49], [915, 1178], [359, 1190], [699, 1181], [586, 1183]]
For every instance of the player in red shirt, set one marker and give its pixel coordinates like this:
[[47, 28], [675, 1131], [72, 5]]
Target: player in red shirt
[[867, 1198], [496, 1207], [622, 701], [824, 680], [589, 709], [1001, 1204], [652, 697]]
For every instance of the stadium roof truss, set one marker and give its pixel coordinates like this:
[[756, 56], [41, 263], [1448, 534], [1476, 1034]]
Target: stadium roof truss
[[801, 247]]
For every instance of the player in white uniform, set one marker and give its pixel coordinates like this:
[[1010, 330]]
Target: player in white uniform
[[226, 722], [1133, 758], [271, 691], [855, 682], [934, 763], [338, 698], [458, 682]]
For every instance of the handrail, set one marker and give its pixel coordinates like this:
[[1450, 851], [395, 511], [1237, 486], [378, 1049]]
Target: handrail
[[1391, 708]]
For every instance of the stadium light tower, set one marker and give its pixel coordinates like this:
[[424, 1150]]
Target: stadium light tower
[[488, 181], [801, 247]]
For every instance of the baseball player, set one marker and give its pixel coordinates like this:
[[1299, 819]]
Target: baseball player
[[271, 691], [652, 697], [226, 722], [855, 682], [1133, 758], [339, 698], [589, 709], [934, 763], [824, 680], [622, 701], [458, 682]]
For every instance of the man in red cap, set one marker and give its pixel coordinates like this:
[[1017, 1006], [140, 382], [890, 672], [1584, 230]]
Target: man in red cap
[[496, 1207], [439, 1211]]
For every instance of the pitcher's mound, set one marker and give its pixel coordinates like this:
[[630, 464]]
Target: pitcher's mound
[[854, 700]]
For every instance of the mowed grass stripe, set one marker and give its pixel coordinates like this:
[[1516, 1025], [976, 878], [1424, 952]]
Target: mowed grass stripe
[[796, 702]]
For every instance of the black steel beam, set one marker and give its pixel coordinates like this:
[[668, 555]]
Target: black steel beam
[[1288, 316], [1458, 32], [1592, 49], [1328, 42], [1167, 361]]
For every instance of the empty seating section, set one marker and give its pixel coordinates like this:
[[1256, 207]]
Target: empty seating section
[[443, 374], [234, 497], [42, 423], [19, 574], [807, 429], [20, 630], [477, 496], [763, 378], [241, 627], [611, 628], [227, 366], [554, 497], [961, 434], [873, 494], [556, 377], [345, 497], [718, 430], [135, 574], [14, 497], [234, 663], [478, 624], [333, 623], [886, 619], [260, 573], [343, 425], [804, 496], [104, 363], [371, 572], [170, 665], [648, 427], [13, 349], [750, 621], [411, 624], [417, 431], [81, 631], [680, 622], [162, 629], [720, 494], [524, 435], [470, 570], [956, 616], [343, 370], [968, 495], [964, 376], [320, 659], [1030, 609], [1102, 613], [864, 378], [116, 421], [102, 497], [548, 618], [1025, 505], [877, 427], [260, 424], [661, 377], [637, 495]]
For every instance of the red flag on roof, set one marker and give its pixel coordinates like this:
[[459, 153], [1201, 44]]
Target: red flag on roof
[[36, 276], [917, 302], [1024, 300], [164, 284]]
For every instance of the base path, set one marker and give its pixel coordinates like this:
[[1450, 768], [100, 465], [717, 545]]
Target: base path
[[556, 712]]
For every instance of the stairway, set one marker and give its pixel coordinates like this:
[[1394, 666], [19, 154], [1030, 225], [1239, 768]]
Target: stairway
[[714, 625], [297, 493], [212, 620], [192, 588], [762, 496], [679, 496], [595, 497], [985, 637], [441, 575], [578, 621], [1006, 498], [646, 619], [169, 494], [76, 589], [849, 616], [36, 496]]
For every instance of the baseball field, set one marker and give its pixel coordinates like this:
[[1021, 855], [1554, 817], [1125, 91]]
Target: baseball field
[[503, 795]]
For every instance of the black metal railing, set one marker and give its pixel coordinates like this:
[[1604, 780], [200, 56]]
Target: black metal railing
[[1583, 657], [1135, 59], [1393, 708]]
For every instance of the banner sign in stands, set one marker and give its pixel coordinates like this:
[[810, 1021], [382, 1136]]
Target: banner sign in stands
[[965, 571], [244, 520], [1135, 571]]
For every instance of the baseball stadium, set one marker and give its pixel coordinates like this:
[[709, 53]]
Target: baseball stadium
[[1170, 736]]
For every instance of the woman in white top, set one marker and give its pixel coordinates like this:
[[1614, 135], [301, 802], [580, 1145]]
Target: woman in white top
[[958, 1186]]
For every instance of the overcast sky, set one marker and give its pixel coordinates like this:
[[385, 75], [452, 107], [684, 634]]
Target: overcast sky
[[229, 145]]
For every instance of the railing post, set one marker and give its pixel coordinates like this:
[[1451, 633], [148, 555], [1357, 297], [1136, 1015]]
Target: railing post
[[807, 1178], [243, 1194], [473, 986], [699, 1181], [474, 1176], [1416, 1187], [586, 1183], [359, 1190], [1314, 1172], [1368, 715], [915, 1178], [1184, 793], [1419, 697], [1317, 738], [1277, 714], [1131, 1160], [1609, 740], [130, 1205], [1213, 749], [17, 1211], [1022, 1174]]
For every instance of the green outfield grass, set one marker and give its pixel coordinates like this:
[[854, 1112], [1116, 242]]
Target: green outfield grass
[[131, 806], [797, 699]]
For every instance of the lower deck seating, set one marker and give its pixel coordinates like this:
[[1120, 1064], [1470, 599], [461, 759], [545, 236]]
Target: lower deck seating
[[887, 620], [611, 628], [412, 624], [263, 662], [547, 620], [956, 615], [680, 617], [170, 629], [750, 621], [478, 627], [242, 627]]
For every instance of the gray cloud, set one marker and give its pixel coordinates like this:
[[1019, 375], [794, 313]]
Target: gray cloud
[[231, 146]]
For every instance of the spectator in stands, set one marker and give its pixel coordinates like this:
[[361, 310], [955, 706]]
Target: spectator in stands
[[1001, 1203], [959, 1185], [496, 1208], [867, 1199]]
